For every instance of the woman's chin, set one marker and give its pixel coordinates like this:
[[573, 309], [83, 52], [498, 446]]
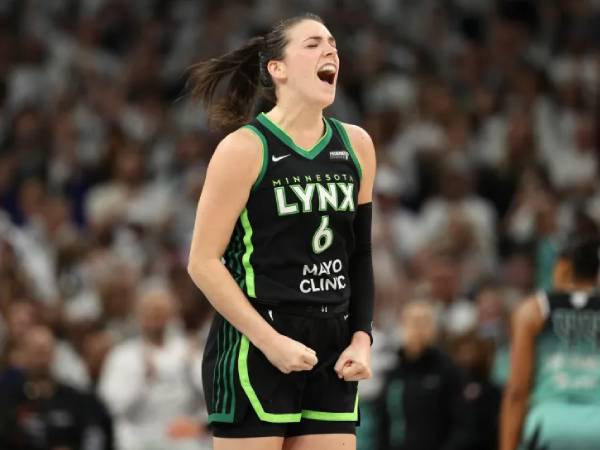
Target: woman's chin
[[325, 100]]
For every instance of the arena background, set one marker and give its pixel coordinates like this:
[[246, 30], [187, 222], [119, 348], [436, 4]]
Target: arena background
[[484, 116]]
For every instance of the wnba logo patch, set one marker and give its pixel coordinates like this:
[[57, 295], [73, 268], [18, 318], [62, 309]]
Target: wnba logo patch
[[338, 155]]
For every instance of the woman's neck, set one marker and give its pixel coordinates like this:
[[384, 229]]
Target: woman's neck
[[304, 123]]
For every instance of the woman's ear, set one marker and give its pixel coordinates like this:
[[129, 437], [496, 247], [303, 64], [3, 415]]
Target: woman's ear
[[277, 70]]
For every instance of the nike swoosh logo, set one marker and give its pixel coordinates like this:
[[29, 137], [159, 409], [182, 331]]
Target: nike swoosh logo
[[278, 158]]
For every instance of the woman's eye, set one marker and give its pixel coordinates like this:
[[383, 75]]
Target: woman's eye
[[312, 45]]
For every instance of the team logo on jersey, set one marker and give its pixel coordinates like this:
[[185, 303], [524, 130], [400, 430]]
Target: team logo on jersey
[[332, 197], [339, 155]]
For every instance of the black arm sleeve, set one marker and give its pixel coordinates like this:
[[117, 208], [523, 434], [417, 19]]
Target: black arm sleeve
[[361, 273]]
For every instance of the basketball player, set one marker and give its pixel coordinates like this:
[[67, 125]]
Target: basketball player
[[281, 247], [552, 400]]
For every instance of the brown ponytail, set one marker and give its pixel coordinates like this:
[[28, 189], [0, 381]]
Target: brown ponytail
[[246, 70]]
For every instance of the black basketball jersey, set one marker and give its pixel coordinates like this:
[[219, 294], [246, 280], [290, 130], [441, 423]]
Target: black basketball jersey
[[572, 317], [293, 239]]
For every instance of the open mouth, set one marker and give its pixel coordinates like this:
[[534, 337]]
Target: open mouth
[[327, 73]]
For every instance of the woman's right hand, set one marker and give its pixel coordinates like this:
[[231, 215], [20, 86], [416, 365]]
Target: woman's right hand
[[289, 355]]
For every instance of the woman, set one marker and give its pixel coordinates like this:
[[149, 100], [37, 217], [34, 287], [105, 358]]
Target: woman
[[552, 400], [281, 247]]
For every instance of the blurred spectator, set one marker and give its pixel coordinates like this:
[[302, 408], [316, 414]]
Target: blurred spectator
[[460, 222], [192, 306], [384, 356], [493, 303], [420, 400], [96, 346], [440, 273], [152, 384], [480, 398], [518, 268], [39, 412], [66, 366]]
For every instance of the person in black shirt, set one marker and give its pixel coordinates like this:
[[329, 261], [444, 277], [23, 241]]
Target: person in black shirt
[[480, 397], [281, 246], [421, 395], [38, 412]]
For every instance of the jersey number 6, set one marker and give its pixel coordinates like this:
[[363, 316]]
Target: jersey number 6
[[323, 237]]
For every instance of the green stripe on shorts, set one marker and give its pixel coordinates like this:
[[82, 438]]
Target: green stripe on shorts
[[225, 372], [251, 394], [333, 416]]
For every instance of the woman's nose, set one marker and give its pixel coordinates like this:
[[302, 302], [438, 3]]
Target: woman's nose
[[330, 50]]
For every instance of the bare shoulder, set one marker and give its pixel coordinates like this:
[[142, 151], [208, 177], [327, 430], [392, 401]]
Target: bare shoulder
[[241, 143], [238, 155], [361, 142], [363, 146], [528, 315]]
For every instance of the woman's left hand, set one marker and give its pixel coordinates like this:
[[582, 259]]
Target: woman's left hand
[[354, 363]]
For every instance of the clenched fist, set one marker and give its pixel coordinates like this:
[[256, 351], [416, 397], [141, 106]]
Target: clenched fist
[[289, 355]]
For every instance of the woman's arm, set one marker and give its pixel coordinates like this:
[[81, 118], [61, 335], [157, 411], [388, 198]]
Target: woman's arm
[[355, 362], [231, 173], [527, 324]]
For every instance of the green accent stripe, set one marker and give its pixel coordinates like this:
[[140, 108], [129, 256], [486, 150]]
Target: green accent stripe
[[220, 417], [236, 347], [265, 155], [251, 394], [239, 252], [227, 412], [250, 288], [333, 416], [222, 382], [348, 144], [233, 256], [226, 372], [217, 365], [287, 140], [219, 379]]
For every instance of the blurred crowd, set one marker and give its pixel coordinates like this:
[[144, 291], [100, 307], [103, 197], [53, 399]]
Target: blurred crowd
[[484, 116]]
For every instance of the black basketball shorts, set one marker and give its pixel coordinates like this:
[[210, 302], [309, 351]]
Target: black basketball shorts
[[247, 396]]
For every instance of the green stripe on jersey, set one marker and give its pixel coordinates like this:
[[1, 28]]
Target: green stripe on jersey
[[233, 255], [287, 140], [250, 288], [251, 394]]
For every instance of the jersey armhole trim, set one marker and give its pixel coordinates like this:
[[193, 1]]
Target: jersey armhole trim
[[265, 158], [348, 144], [544, 304]]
